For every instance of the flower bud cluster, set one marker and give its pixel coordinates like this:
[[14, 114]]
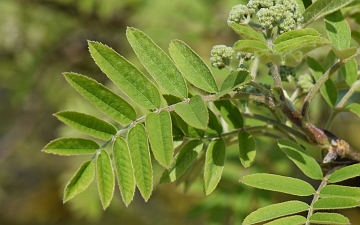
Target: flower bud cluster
[[221, 56]]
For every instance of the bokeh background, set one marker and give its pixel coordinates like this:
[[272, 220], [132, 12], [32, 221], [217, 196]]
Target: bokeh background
[[40, 39]]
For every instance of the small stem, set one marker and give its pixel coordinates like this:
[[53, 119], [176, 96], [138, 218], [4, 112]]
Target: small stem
[[249, 96], [261, 88]]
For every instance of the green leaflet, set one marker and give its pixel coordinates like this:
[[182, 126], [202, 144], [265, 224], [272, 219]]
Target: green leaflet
[[296, 34], [251, 46], [289, 220], [304, 44], [338, 30], [321, 8], [328, 90], [354, 108], [350, 72], [214, 164], [184, 127], [335, 203], [124, 170], [194, 113], [274, 211], [306, 163], [125, 75], [247, 151], [329, 218], [345, 53], [247, 32], [230, 113], [87, 124], [105, 178], [71, 146], [101, 97], [234, 80], [340, 191], [80, 181], [140, 157], [278, 183], [159, 131], [214, 125], [159, 65], [182, 161], [345, 173], [192, 66], [356, 36]]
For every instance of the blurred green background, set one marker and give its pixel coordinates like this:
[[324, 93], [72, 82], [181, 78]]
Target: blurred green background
[[40, 39]]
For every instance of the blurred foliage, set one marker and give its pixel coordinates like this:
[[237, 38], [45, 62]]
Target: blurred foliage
[[40, 39]]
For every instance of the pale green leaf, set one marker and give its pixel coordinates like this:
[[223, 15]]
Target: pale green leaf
[[71, 146], [289, 220], [159, 131], [140, 157], [105, 177], [328, 90], [192, 66], [329, 219], [214, 125], [251, 46], [301, 6], [247, 32], [335, 203], [274, 211], [269, 56], [350, 72], [306, 163], [246, 148], [345, 53], [124, 170], [338, 30], [278, 183], [80, 181], [304, 44], [87, 124], [186, 129], [125, 75], [214, 164], [230, 113], [194, 112], [182, 161], [101, 97], [157, 63], [296, 34], [340, 191], [354, 108], [345, 173], [234, 80]]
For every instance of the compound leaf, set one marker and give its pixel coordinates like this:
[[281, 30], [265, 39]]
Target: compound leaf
[[101, 97], [345, 173], [105, 178], [246, 148], [125, 75], [329, 218], [194, 113], [340, 191], [80, 181], [289, 220], [71, 146], [335, 203]]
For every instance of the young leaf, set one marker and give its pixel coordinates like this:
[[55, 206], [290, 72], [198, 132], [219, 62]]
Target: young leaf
[[345, 53], [345, 173], [214, 164], [71, 146], [140, 157], [230, 113], [159, 131], [338, 30], [289, 220], [278, 183], [246, 148], [124, 170], [329, 218], [182, 161], [105, 178], [350, 72], [340, 191], [335, 203], [101, 97], [247, 32], [159, 65], [354, 108], [274, 211], [303, 44], [192, 66], [87, 124], [328, 90], [125, 75], [214, 125], [306, 163], [194, 113], [251, 46], [80, 181], [234, 80], [296, 34]]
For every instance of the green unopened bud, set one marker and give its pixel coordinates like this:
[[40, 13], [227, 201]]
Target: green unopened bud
[[221, 56], [240, 14], [305, 82]]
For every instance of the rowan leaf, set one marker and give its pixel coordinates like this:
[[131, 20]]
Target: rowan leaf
[[71, 146], [194, 113], [230, 113], [335, 203], [340, 191], [247, 32], [329, 219], [345, 173], [105, 178], [289, 220], [246, 148], [338, 30]]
